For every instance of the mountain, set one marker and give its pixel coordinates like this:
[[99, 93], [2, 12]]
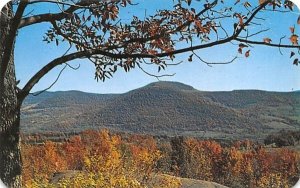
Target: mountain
[[165, 108]]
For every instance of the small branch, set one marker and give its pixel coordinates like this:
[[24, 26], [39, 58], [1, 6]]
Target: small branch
[[58, 30], [266, 44], [153, 75], [74, 68], [253, 15], [261, 31], [226, 33], [224, 63], [58, 2], [29, 13], [67, 50], [254, 23], [177, 29], [280, 44], [275, 10], [214, 63], [54, 17], [174, 63], [201, 59], [259, 18], [208, 7], [58, 5], [40, 92]]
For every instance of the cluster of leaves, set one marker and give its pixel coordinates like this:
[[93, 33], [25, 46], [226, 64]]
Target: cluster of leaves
[[155, 39], [275, 4], [294, 41]]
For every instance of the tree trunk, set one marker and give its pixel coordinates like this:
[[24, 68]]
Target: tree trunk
[[10, 158]]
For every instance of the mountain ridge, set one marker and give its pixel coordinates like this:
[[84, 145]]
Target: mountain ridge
[[179, 84], [165, 108]]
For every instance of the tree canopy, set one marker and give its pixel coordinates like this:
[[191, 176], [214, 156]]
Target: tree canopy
[[94, 30]]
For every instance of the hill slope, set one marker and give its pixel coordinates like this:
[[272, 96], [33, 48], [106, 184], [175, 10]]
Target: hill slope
[[165, 108]]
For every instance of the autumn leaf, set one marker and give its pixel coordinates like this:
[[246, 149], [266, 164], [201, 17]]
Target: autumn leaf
[[241, 45], [190, 58], [240, 50], [261, 1], [214, 28], [237, 1], [294, 39], [241, 21], [292, 29], [123, 3], [267, 40], [247, 4], [289, 4], [296, 62], [247, 54]]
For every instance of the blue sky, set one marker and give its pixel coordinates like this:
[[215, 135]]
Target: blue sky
[[265, 69]]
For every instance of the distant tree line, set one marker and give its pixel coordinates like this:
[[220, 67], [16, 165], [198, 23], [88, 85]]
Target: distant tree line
[[283, 138]]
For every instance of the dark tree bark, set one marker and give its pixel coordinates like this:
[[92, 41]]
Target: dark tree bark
[[10, 158]]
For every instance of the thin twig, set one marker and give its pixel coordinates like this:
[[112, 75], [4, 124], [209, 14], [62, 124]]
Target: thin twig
[[174, 63], [63, 3], [74, 68], [214, 63], [280, 44], [29, 13], [275, 10], [261, 31], [266, 44], [153, 75], [67, 50], [40, 92]]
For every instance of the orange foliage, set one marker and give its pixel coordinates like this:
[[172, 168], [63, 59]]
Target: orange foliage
[[132, 161]]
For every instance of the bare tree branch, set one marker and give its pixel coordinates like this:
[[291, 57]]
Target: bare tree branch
[[280, 44], [267, 44], [58, 2], [49, 87], [58, 30], [261, 31], [52, 17], [214, 63], [153, 75], [57, 78]]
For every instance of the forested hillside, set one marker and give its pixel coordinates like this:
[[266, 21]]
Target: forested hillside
[[166, 108]]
